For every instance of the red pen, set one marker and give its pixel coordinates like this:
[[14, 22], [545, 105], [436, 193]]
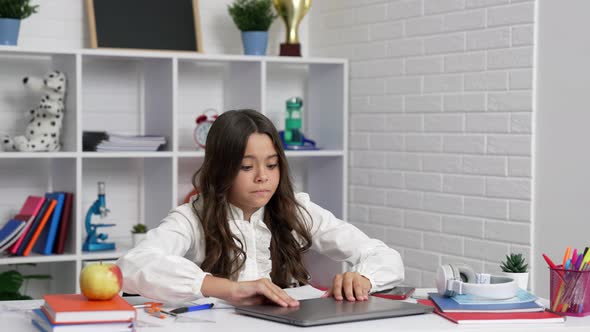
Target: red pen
[[549, 261]]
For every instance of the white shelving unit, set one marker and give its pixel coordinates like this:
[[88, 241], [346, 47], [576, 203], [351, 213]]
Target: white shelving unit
[[159, 93]]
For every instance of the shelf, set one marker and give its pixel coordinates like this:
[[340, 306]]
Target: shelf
[[289, 154], [143, 92], [138, 54], [37, 258], [128, 154], [37, 155]]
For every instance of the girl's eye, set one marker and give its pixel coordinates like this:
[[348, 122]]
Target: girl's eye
[[272, 166], [245, 168]]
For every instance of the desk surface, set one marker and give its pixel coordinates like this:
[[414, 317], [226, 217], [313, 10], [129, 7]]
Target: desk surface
[[224, 320]]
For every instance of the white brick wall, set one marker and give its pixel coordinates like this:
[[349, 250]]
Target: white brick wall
[[440, 124]]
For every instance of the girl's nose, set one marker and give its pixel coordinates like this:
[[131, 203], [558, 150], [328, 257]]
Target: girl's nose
[[262, 177]]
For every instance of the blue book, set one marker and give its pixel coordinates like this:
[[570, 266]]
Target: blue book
[[42, 323], [521, 296], [44, 245], [447, 304], [10, 229]]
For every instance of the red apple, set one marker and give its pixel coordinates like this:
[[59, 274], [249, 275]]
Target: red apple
[[101, 281]]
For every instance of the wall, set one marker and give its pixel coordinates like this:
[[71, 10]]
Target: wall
[[440, 125], [63, 24], [561, 162]]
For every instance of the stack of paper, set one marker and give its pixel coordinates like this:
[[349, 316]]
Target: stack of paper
[[465, 309], [131, 143]]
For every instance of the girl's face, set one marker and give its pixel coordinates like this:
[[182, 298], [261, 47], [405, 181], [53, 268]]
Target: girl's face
[[258, 177]]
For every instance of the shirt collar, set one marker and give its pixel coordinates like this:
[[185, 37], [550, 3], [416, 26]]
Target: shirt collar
[[235, 213]]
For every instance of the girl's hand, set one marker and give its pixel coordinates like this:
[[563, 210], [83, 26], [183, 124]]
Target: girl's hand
[[257, 291], [350, 285]]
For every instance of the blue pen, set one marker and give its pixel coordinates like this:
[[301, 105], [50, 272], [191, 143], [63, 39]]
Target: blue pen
[[192, 308]]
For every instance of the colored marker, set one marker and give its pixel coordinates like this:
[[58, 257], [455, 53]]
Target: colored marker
[[192, 308]]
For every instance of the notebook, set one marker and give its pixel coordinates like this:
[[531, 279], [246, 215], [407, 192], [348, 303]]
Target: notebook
[[329, 311], [40, 320], [447, 304], [62, 234], [10, 230], [75, 308], [45, 242], [540, 317], [28, 212]]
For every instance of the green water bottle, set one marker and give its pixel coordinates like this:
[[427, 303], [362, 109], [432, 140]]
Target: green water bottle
[[293, 121]]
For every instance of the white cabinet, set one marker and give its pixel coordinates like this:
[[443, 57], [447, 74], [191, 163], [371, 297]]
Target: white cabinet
[[159, 93]]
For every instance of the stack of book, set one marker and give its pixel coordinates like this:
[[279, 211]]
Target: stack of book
[[467, 309], [109, 142], [73, 312], [41, 226]]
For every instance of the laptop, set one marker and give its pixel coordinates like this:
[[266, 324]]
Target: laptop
[[322, 311]]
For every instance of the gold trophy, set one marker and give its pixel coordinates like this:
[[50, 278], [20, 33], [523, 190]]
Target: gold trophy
[[292, 12]]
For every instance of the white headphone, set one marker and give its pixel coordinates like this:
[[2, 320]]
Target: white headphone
[[461, 279]]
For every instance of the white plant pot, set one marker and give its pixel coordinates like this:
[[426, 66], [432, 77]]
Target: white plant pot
[[522, 279], [137, 237]]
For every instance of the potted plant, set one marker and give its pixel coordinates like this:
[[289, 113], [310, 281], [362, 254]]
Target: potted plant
[[138, 233], [253, 18], [515, 267], [11, 13], [11, 282]]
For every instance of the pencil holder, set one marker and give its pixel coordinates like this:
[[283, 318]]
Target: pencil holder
[[570, 291]]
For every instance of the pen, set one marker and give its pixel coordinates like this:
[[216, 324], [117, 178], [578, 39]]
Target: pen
[[567, 254], [549, 261], [575, 258], [192, 308]]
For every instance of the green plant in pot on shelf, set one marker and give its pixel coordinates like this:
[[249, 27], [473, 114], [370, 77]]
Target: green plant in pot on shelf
[[138, 233], [253, 18], [11, 13], [11, 282], [515, 266]]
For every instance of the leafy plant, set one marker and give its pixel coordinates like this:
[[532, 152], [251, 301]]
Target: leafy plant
[[139, 228], [514, 263], [18, 9], [11, 282], [252, 15]]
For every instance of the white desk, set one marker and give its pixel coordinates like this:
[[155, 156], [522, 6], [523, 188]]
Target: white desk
[[227, 320]]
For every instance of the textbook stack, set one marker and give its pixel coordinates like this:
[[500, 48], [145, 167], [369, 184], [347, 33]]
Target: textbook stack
[[467, 309], [73, 312], [41, 226], [109, 142]]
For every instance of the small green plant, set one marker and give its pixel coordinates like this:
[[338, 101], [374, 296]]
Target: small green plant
[[252, 15], [139, 228], [11, 282], [514, 263], [18, 9]]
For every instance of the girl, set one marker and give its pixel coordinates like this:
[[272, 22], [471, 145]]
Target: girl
[[242, 238]]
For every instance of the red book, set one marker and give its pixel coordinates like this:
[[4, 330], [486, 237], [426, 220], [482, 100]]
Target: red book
[[63, 224], [30, 208], [497, 317], [76, 308]]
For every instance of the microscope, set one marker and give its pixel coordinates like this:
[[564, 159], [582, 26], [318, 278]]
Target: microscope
[[96, 241]]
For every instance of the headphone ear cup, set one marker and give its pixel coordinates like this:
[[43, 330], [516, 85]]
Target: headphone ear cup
[[465, 273], [443, 274]]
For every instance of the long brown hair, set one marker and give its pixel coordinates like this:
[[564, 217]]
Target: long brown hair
[[225, 148]]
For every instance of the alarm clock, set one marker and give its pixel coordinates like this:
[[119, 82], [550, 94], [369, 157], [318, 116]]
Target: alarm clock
[[204, 122]]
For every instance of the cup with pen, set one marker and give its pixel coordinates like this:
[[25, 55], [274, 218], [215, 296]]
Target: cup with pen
[[570, 284]]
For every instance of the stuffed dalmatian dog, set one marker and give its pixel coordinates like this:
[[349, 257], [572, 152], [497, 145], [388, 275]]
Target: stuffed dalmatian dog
[[44, 128]]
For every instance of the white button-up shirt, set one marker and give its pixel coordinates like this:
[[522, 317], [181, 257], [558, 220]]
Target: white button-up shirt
[[165, 266]]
